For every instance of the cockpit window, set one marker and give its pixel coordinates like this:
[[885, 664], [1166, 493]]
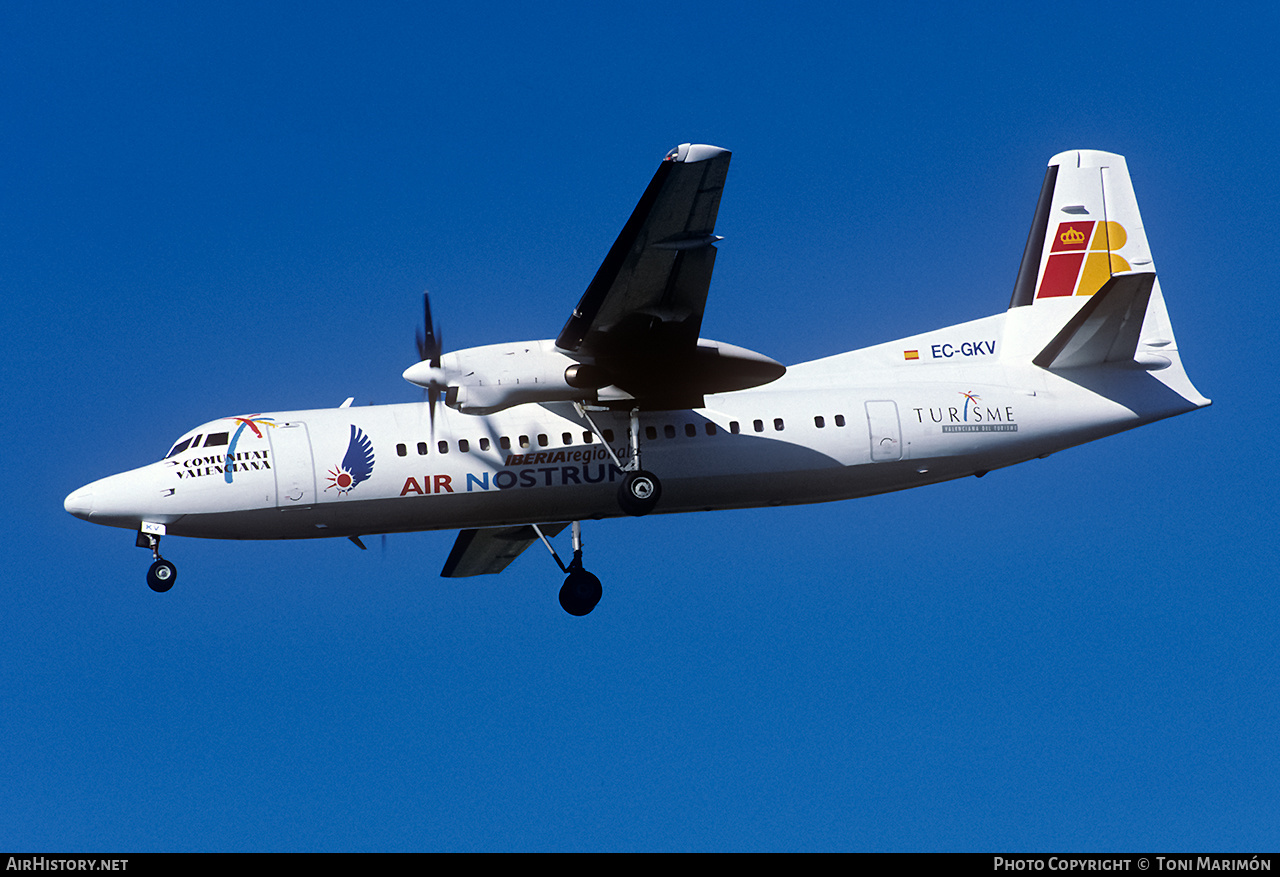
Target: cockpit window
[[213, 439]]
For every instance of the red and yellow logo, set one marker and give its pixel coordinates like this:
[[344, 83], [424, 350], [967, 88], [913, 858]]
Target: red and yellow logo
[[1074, 269]]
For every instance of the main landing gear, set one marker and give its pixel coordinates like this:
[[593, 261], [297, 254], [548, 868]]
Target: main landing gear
[[581, 590], [640, 490], [162, 574], [637, 495]]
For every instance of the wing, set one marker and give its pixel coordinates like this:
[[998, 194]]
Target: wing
[[489, 551], [647, 298]]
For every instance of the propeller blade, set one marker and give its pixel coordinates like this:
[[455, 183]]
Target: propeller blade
[[430, 349]]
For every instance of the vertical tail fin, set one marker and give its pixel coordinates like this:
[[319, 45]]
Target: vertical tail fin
[[1087, 277], [1087, 293], [1087, 228]]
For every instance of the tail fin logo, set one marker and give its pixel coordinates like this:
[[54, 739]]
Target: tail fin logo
[[1073, 270], [1071, 237]]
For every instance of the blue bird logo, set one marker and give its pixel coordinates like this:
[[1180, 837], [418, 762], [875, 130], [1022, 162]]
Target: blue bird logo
[[356, 466]]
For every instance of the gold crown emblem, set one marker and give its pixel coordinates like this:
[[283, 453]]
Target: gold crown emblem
[[1072, 236]]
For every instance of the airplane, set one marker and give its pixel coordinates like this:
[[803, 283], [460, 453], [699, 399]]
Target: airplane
[[513, 442]]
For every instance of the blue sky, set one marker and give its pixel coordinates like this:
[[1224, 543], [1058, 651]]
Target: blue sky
[[234, 209]]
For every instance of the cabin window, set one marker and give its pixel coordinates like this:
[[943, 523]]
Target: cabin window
[[778, 425], [839, 420], [422, 449], [401, 450], [444, 447], [733, 427], [758, 425], [651, 432], [608, 435], [711, 428], [586, 437], [567, 438], [524, 441], [505, 443], [690, 430], [669, 431], [215, 438], [543, 441], [819, 422], [484, 444], [463, 446]]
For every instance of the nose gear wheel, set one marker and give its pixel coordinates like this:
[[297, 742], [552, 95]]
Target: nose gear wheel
[[162, 575]]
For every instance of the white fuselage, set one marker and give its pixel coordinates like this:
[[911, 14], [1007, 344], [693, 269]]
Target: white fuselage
[[916, 411]]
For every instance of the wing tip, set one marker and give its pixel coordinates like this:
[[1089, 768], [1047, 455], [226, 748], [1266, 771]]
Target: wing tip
[[693, 152]]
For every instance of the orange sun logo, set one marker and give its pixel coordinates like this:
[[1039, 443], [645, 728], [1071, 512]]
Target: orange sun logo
[[339, 479]]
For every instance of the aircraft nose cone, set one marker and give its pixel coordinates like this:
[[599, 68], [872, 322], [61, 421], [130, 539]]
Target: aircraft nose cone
[[80, 502], [122, 500]]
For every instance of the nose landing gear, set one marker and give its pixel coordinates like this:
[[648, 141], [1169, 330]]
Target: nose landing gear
[[162, 574]]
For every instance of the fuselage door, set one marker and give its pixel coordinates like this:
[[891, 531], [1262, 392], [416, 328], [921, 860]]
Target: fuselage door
[[886, 434], [295, 474]]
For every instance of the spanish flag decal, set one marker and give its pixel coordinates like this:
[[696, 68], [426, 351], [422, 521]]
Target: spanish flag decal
[[911, 354]]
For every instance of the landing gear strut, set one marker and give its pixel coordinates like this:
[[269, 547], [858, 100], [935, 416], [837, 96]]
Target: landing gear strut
[[162, 574], [581, 590]]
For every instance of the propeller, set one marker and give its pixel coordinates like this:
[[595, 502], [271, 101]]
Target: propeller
[[428, 337], [430, 349]]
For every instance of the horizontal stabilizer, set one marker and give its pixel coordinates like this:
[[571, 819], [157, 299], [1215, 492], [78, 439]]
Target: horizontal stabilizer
[[491, 550], [1106, 329]]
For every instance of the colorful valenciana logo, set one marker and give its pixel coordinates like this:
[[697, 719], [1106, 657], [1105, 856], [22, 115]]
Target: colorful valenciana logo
[[252, 422]]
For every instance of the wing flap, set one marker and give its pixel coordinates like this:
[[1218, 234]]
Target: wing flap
[[490, 550]]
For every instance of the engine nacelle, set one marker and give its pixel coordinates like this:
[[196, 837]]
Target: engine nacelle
[[481, 380]]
